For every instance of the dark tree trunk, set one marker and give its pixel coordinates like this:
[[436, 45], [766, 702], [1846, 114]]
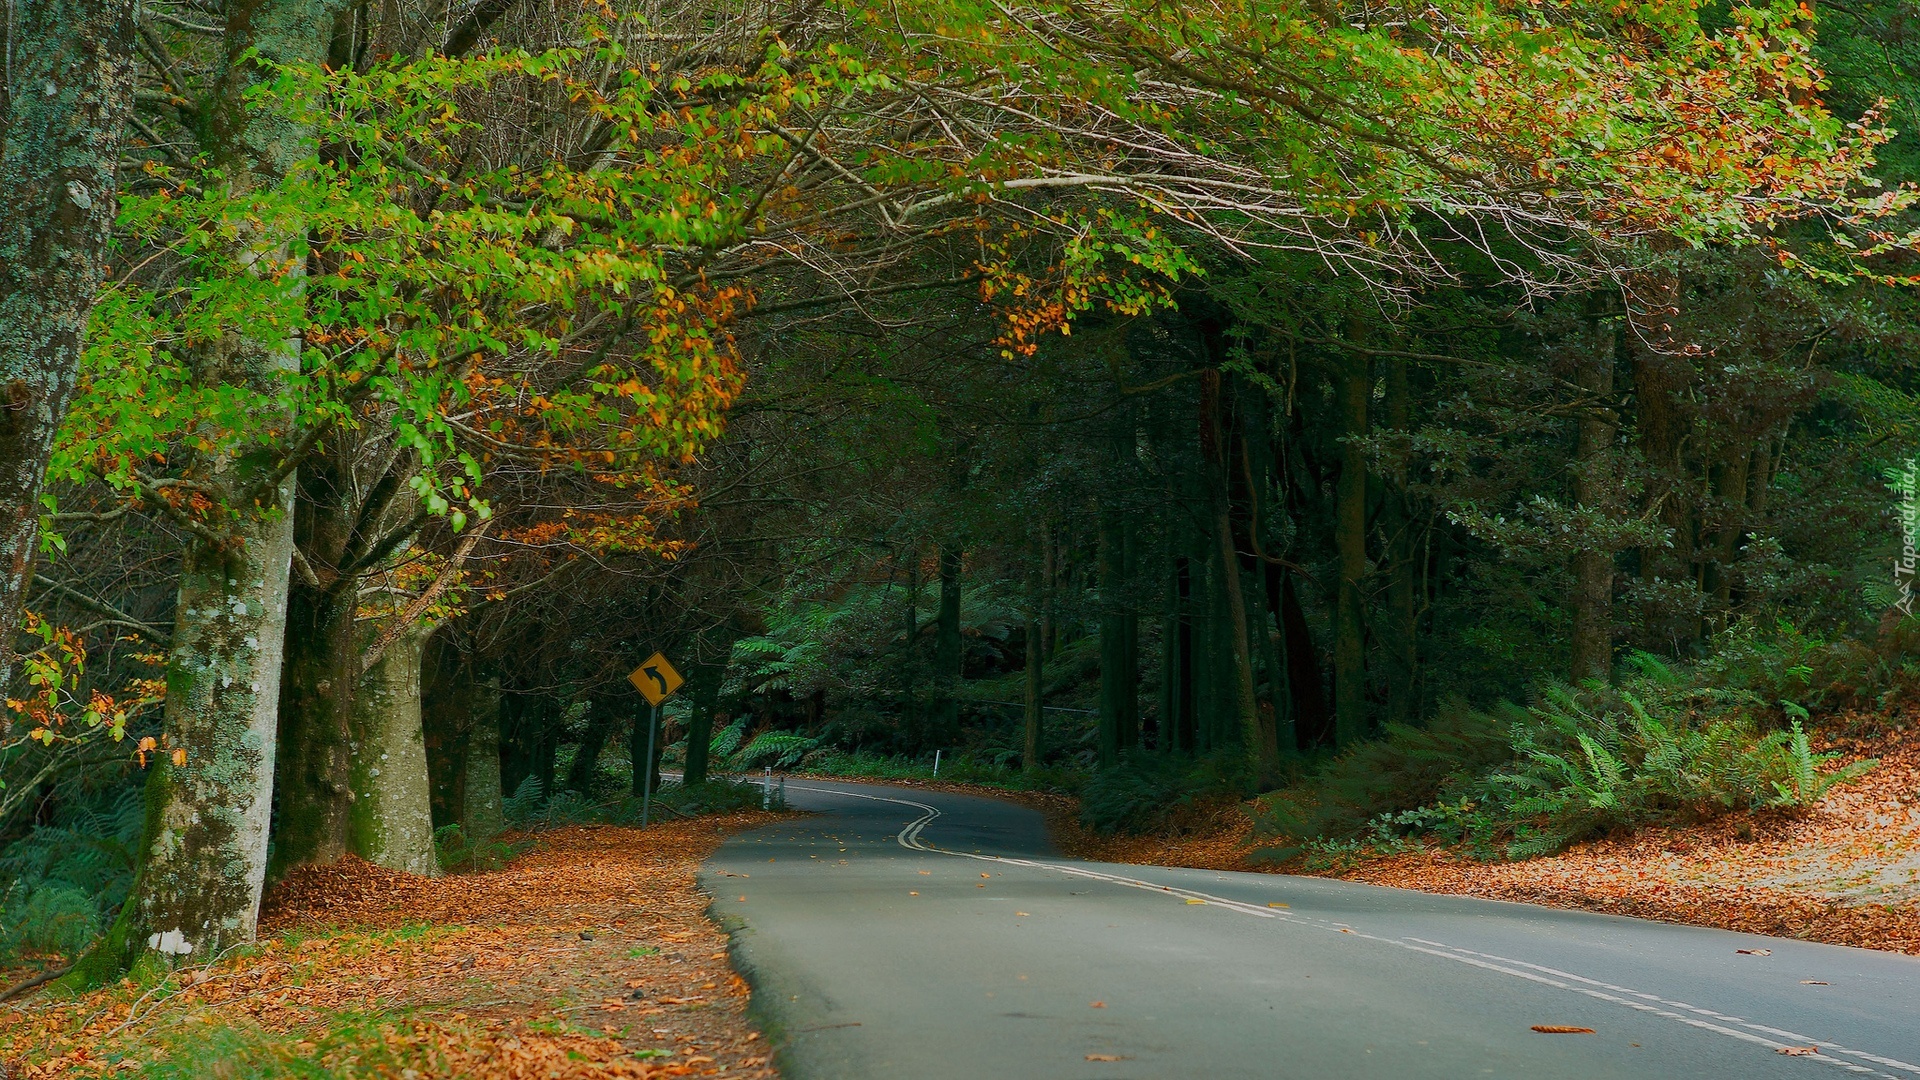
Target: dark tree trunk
[[1119, 697], [706, 698], [601, 718], [946, 644], [60, 137], [1592, 600], [1032, 742], [1246, 710], [1313, 723], [1400, 644], [312, 770], [1350, 541]]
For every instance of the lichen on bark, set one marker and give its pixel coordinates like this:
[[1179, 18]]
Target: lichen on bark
[[392, 808]]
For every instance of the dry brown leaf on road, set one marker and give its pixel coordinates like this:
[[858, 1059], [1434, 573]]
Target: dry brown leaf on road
[[1813, 982], [1561, 1029], [1108, 1057], [1798, 1051], [1754, 952]]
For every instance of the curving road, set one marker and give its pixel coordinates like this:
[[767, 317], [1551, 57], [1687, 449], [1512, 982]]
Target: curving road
[[914, 935]]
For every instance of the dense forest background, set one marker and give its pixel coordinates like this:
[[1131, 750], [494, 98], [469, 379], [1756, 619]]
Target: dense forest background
[[1490, 425]]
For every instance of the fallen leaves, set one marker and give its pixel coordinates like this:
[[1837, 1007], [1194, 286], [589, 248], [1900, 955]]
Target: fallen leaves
[[1097, 1005], [1754, 952], [1798, 1051], [472, 975], [1108, 1057], [1839, 873], [1561, 1029]]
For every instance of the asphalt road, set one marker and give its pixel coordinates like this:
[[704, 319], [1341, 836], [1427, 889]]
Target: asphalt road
[[915, 935]]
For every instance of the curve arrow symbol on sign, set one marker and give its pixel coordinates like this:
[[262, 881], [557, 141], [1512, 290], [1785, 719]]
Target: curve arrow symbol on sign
[[654, 674]]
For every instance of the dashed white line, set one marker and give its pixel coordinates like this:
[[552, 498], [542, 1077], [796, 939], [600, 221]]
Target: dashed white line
[[1640, 1001]]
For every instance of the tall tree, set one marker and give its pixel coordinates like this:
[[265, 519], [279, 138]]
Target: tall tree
[[64, 104]]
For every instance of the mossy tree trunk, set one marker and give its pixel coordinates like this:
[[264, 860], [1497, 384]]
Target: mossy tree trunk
[[71, 63], [392, 807]]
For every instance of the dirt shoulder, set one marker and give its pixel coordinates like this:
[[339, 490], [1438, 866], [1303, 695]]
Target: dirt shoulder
[[1846, 872], [589, 956]]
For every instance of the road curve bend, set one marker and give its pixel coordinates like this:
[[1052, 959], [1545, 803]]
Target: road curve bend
[[914, 935]]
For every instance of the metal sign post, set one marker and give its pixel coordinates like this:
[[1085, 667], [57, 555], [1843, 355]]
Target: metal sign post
[[656, 680], [646, 785]]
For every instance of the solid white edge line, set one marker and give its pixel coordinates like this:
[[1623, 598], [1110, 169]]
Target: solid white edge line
[[909, 838]]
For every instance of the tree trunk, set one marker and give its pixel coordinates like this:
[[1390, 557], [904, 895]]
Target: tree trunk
[[480, 814], [198, 890], [601, 719], [209, 799], [1397, 519], [1260, 749], [946, 643], [1032, 743], [1313, 724], [1592, 600], [313, 770], [392, 806], [71, 62], [1350, 540], [706, 698]]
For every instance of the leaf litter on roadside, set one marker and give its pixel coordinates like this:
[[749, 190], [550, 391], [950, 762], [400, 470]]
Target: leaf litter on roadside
[[589, 957]]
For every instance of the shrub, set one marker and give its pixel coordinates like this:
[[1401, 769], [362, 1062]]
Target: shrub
[[1517, 782], [1148, 792]]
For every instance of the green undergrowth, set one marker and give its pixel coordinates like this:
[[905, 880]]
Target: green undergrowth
[[960, 768], [1163, 794], [528, 810], [1665, 745]]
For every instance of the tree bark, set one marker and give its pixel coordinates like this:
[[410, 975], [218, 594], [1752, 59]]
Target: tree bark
[[62, 113], [946, 643], [601, 719], [1401, 645], [1261, 751], [1592, 600], [481, 818], [391, 821], [1119, 710], [313, 770], [1032, 742], [1350, 540]]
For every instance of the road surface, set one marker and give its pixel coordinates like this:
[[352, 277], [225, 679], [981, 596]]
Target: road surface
[[914, 935]]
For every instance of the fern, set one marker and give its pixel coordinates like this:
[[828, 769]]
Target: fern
[[526, 801], [779, 749], [727, 740]]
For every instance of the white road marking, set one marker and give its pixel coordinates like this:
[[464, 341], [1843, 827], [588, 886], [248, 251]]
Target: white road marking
[[1640, 1001]]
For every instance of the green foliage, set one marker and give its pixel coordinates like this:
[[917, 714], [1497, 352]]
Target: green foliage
[[1518, 782], [457, 854], [777, 749], [66, 881], [1146, 792]]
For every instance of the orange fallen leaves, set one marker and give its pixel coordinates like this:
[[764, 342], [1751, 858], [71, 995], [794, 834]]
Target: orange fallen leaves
[[1846, 872], [471, 976], [1561, 1029], [1798, 1051]]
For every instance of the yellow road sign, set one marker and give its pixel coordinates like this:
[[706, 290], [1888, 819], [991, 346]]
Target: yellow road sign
[[656, 680]]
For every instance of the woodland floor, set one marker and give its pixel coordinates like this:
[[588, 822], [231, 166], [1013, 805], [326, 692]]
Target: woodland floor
[[588, 956], [1846, 872]]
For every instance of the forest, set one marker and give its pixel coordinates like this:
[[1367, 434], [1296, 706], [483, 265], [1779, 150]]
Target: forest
[[1487, 424]]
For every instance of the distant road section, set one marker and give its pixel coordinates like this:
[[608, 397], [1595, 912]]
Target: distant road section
[[914, 935]]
